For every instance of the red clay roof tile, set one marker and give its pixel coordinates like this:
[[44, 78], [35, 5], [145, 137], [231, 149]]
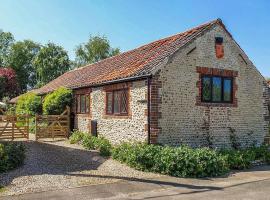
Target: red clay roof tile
[[138, 62]]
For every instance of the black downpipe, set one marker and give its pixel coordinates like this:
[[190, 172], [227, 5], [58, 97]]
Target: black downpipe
[[148, 107]]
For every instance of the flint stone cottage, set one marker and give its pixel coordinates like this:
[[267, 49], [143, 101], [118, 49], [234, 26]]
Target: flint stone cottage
[[184, 89]]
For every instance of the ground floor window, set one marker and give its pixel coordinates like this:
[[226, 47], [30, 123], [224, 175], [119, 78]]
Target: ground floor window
[[217, 89], [82, 103], [117, 102]]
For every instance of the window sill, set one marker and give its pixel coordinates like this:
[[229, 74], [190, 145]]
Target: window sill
[[209, 104], [107, 116]]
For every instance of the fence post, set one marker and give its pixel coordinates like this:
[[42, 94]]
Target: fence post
[[68, 121], [13, 127], [36, 124], [27, 129]]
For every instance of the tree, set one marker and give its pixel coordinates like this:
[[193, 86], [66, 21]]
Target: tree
[[6, 40], [50, 62], [8, 83], [96, 49], [21, 57], [29, 103], [56, 102]]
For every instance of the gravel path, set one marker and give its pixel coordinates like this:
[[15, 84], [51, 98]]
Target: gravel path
[[53, 165]]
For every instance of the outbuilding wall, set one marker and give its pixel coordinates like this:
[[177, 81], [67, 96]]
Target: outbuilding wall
[[184, 120]]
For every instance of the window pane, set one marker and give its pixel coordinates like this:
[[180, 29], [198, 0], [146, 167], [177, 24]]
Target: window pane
[[82, 103], [87, 103], [124, 102], [227, 87], [216, 90], [78, 107], [109, 102], [116, 106], [206, 90]]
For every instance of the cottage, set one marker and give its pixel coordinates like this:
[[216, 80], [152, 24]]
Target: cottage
[[197, 88]]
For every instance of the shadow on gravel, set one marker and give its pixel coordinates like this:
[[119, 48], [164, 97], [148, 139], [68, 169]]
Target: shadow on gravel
[[45, 158], [151, 181]]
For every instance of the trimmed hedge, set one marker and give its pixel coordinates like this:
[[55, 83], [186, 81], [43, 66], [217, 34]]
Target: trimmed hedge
[[91, 143], [29, 103], [182, 161], [56, 102], [12, 155]]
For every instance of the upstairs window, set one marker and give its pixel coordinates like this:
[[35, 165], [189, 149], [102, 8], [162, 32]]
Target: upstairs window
[[117, 102], [217, 89]]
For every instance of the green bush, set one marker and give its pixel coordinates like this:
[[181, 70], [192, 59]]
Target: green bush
[[76, 137], [92, 143], [98, 143], [262, 153], [239, 159], [56, 102], [182, 161], [29, 103], [12, 155]]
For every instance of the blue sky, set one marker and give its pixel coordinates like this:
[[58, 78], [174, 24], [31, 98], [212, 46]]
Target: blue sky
[[131, 23]]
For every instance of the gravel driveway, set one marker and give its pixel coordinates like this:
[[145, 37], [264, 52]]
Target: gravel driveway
[[56, 165]]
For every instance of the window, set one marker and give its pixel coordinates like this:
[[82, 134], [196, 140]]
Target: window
[[217, 89], [83, 103], [117, 102]]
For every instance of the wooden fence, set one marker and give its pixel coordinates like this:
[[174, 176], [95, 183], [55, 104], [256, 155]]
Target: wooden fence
[[52, 126], [14, 127]]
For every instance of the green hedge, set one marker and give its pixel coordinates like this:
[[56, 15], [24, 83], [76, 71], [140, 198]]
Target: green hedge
[[12, 155], [92, 143], [243, 159], [182, 161], [29, 103], [56, 102]]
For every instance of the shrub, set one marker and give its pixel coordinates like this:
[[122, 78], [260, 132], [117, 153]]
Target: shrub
[[12, 155], [98, 143], [76, 137], [182, 161], [262, 153], [239, 159], [29, 103], [56, 102], [92, 143]]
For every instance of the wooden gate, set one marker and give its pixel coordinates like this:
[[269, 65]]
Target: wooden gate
[[52, 126], [14, 127]]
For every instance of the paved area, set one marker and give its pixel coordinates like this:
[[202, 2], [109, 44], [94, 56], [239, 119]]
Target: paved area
[[249, 185], [56, 165]]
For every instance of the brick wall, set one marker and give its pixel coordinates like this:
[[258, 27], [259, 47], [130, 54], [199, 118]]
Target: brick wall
[[183, 120]]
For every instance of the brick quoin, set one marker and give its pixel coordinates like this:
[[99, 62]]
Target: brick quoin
[[155, 115]]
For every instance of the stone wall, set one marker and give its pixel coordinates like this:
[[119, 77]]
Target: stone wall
[[82, 122], [122, 128], [182, 121]]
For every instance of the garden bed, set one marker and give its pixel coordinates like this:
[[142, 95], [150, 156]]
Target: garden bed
[[181, 161]]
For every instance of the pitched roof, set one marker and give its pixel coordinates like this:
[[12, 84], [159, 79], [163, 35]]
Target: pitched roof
[[135, 63]]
